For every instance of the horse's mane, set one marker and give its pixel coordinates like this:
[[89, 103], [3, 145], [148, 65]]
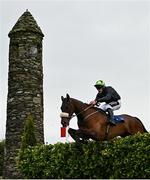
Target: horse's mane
[[78, 100], [95, 108]]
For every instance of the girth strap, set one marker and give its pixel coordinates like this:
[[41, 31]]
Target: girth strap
[[107, 131]]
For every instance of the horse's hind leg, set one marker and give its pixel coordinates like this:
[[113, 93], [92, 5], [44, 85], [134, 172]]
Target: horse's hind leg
[[134, 125]]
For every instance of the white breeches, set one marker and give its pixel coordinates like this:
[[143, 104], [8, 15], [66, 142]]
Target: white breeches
[[112, 106]]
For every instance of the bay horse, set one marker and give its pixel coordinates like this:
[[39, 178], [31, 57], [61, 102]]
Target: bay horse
[[93, 124]]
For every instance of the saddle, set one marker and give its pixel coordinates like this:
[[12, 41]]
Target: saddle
[[117, 118]]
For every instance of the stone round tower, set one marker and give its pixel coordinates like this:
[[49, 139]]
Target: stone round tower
[[25, 87]]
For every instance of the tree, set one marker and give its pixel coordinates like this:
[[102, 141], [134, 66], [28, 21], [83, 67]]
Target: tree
[[28, 138]]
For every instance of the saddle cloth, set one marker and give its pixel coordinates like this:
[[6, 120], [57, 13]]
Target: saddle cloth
[[118, 118]]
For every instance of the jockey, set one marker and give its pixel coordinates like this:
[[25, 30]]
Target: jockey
[[109, 96]]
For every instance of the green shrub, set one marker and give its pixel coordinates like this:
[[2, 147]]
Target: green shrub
[[130, 157], [121, 158], [28, 137]]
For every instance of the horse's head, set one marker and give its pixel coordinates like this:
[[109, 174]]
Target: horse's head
[[67, 110]]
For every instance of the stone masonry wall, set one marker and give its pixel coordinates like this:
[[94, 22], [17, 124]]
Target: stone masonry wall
[[25, 92]]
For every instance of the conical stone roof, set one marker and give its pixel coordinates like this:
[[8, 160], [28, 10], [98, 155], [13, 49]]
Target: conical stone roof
[[26, 23]]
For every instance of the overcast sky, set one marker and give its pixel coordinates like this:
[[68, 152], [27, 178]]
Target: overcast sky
[[85, 40]]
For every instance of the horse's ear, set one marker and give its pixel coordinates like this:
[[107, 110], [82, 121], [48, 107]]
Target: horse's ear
[[62, 98], [67, 96]]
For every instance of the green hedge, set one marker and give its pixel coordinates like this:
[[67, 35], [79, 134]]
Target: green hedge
[[121, 158]]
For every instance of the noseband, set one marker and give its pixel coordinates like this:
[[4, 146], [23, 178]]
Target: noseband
[[66, 115]]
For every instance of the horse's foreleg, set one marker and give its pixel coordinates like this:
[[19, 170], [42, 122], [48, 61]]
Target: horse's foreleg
[[73, 133], [77, 135]]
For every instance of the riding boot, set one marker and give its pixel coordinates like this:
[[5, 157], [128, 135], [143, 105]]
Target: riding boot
[[111, 116]]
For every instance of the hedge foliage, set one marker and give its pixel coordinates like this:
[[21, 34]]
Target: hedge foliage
[[127, 157]]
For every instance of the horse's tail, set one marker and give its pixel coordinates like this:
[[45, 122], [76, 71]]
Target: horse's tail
[[142, 125]]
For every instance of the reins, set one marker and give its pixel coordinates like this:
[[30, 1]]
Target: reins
[[90, 114], [74, 115]]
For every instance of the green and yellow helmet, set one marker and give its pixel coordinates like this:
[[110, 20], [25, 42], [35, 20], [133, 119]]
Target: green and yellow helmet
[[99, 84]]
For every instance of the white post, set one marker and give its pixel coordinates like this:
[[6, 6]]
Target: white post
[[67, 134]]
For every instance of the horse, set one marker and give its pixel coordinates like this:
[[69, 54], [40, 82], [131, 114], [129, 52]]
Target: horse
[[93, 123]]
